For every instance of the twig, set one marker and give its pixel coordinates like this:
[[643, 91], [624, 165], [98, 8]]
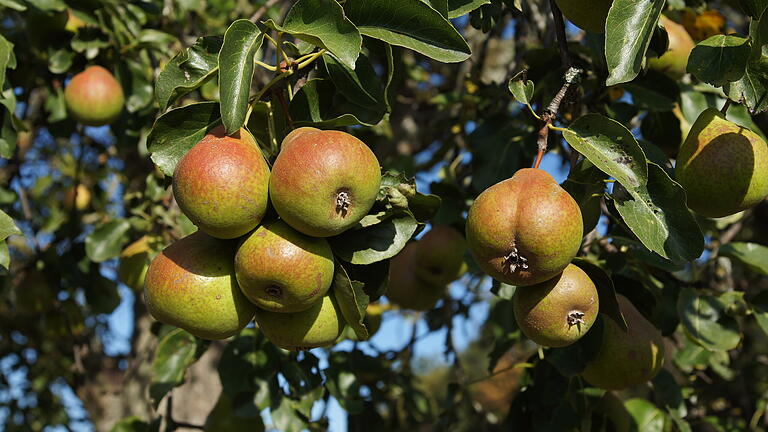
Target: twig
[[562, 42], [572, 76], [724, 109], [262, 10]]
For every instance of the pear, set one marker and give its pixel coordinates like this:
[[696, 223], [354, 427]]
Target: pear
[[323, 182], [94, 97], [191, 284], [722, 166], [221, 184], [626, 359], [318, 326], [588, 15], [406, 289], [675, 60], [524, 230], [440, 255], [559, 311], [78, 197], [280, 269], [135, 260]]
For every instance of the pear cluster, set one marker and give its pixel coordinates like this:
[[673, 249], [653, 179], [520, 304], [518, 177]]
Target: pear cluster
[[420, 273], [243, 263], [524, 231]]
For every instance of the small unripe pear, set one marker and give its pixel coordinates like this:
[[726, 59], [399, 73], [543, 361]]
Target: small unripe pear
[[94, 97], [323, 182], [78, 195], [675, 60], [280, 269], [626, 359], [318, 326], [222, 182], [589, 16], [524, 230], [722, 166], [406, 289], [191, 284], [440, 255], [135, 260], [559, 311]]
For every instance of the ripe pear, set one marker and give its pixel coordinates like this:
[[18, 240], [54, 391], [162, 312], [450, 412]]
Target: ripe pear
[[626, 359], [323, 182], [94, 97], [318, 326], [406, 289], [191, 284], [221, 184], [440, 255], [589, 16], [722, 166], [524, 230], [559, 311], [675, 60], [282, 270]]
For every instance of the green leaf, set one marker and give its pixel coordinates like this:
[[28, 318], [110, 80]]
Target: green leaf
[[178, 130], [5, 258], [352, 300], [131, 424], [438, 5], [751, 89], [610, 147], [322, 23], [107, 240], [175, 352], [320, 104], [521, 88], [628, 32], [360, 85], [375, 243], [7, 226], [241, 41], [705, 321], [411, 24], [760, 309], [13, 4], [646, 416], [719, 59], [753, 8], [605, 290], [657, 215], [457, 8], [752, 255], [188, 70], [586, 184], [496, 145], [6, 59]]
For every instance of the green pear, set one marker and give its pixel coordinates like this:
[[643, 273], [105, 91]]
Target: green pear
[[323, 182], [626, 359], [191, 284], [559, 311], [135, 259], [94, 97], [282, 270], [406, 289], [524, 230], [722, 166], [221, 184], [440, 255], [675, 60], [318, 326], [588, 15]]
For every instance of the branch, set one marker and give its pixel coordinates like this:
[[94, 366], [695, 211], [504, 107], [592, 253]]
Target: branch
[[572, 76], [262, 10], [562, 42]]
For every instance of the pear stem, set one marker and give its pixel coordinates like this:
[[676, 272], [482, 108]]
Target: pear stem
[[726, 105]]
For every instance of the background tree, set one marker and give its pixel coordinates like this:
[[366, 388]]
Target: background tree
[[459, 94]]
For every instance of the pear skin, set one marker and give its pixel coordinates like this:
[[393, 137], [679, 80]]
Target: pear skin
[[626, 359], [524, 230], [323, 182], [675, 60], [94, 97], [221, 184], [557, 312], [406, 289], [191, 284], [318, 326], [722, 166], [282, 270], [588, 15], [440, 255]]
